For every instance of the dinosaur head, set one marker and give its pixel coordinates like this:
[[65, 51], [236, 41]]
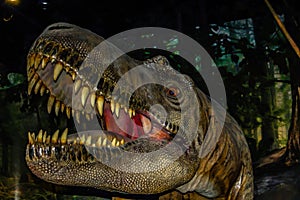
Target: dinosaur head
[[138, 130]]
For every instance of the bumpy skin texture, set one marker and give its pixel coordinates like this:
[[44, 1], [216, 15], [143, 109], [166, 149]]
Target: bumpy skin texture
[[57, 66]]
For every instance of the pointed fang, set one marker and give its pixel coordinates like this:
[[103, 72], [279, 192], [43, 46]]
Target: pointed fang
[[84, 95], [32, 83], [117, 109], [112, 106], [82, 140], [57, 107], [57, 70], [77, 85], [99, 142], [44, 62], [68, 112], [40, 136], [63, 138], [44, 137], [54, 137], [100, 103], [37, 61], [50, 103], [114, 142], [89, 141], [30, 139], [42, 90], [48, 139], [93, 99]]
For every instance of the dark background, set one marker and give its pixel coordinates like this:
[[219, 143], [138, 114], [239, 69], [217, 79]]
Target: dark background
[[21, 21]]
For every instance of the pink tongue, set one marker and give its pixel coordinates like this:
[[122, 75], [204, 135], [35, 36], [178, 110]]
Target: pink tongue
[[131, 128]]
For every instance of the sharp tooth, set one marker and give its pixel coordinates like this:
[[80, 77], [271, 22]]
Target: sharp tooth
[[73, 76], [57, 70], [118, 143], [40, 136], [63, 138], [31, 60], [48, 139], [84, 95], [53, 59], [104, 143], [50, 103], [146, 124], [88, 141], [67, 68], [77, 116], [114, 142], [44, 62], [176, 129], [30, 139], [54, 137], [42, 90], [33, 136], [122, 142], [44, 137], [28, 63], [30, 74], [32, 83], [68, 112], [93, 99], [133, 112], [125, 109], [82, 140], [57, 107], [37, 61], [37, 86], [117, 109], [100, 102], [75, 141], [77, 85], [130, 112], [112, 106], [62, 107], [99, 142]]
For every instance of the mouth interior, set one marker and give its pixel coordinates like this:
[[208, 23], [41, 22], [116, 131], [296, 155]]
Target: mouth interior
[[132, 127]]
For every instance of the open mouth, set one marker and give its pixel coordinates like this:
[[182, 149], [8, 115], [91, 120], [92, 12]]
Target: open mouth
[[49, 73]]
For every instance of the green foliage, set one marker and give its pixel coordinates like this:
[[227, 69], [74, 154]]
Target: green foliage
[[12, 79], [242, 62]]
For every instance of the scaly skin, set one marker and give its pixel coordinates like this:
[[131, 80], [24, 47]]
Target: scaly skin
[[57, 65]]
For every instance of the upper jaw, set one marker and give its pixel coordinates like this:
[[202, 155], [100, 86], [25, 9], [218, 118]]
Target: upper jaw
[[51, 71]]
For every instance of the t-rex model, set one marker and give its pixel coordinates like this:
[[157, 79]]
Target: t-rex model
[[138, 149]]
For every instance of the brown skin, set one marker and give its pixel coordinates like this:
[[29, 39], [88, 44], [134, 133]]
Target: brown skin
[[224, 172]]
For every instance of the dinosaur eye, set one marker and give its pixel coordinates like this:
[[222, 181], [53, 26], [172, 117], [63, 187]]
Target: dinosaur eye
[[172, 92]]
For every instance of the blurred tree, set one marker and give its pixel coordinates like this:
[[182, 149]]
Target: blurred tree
[[291, 34]]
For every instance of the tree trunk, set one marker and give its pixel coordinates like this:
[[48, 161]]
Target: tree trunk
[[293, 145], [269, 136], [291, 32]]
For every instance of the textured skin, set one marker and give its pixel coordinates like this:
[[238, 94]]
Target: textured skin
[[225, 172]]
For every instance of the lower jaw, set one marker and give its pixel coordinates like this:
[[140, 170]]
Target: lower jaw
[[43, 145]]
